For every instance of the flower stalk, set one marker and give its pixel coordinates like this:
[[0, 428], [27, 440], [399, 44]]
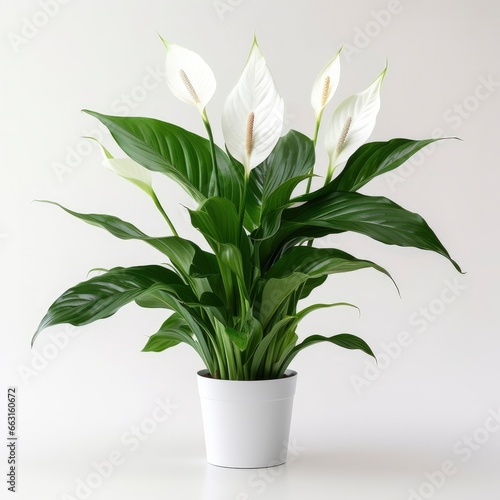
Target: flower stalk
[[215, 170]]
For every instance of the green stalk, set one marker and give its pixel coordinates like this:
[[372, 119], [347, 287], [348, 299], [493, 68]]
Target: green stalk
[[330, 170], [246, 372], [220, 347], [315, 139], [218, 361], [308, 188], [311, 172], [229, 353], [243, 206], [237, 361], [270, 358], [206, 122], [165, 216], [243, 303], [227, 281]]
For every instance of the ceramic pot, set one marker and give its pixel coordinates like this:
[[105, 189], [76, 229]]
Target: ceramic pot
[[246, 423]]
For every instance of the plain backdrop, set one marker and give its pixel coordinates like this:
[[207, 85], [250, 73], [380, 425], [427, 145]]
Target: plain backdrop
[[99, 419]]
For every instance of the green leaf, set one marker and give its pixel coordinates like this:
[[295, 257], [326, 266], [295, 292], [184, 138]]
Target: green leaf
[[211, 303], [376, 217], [218, 221], [345, 340], [290, 338], [261, 351], [177, 153], [292, 157], [274, 291], [373, 159], [173, 331], [299, 265], [198, 327], [187, 257], [275, 204], [253, 329], [230, 256], [239, 339], [316, 262], [101, 296], [302, 314]]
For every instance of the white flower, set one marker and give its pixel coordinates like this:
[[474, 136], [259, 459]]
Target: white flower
[[325, 85], [132, 171], [352, 122], [252, 119], [128, 169], [188, 76]]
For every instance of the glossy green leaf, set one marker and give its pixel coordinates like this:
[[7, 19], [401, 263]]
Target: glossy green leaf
[[297, 266], [308, 310], [345, 340], [200, 330], [185, 255], [274, 293], [373, 159], [310, 285], [275, 204], [316, 262], [262, 348], [376, 217], [293, 157], [171, 333], [177, 153], [218, 221], [239, 339], [230, 257], [253, 328], [101, 296]]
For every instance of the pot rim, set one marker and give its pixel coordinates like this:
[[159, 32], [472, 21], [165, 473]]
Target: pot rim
[[205, 372]]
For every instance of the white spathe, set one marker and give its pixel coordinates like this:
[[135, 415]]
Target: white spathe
[[359, 113], [132, 171], [325, 85], [251, 138], [127, 168], [188, 76]]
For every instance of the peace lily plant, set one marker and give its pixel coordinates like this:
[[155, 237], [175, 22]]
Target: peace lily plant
[[238, 304]]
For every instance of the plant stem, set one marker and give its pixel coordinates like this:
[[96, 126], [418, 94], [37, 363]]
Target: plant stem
[[237, 360], [162, 211], [232, 370], [243, 203], [218, 344], [314, 140], [311, 172], [206, 122], [330, 170]]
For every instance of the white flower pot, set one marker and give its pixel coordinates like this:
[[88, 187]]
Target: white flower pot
[[246, 423]]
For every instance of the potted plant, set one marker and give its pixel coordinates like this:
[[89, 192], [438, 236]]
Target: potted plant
[[237, 304]]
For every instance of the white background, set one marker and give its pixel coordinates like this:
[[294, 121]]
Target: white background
[[404, 420]]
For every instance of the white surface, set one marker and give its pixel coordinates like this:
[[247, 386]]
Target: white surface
[[417, 412]]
